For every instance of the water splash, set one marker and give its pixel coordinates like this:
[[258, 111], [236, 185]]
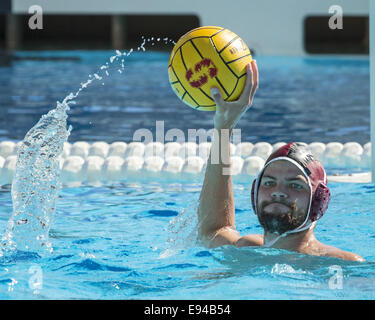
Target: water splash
[[36, 183], [182, 230]]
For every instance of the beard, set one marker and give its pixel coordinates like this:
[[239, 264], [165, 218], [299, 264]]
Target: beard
[[276, 222]]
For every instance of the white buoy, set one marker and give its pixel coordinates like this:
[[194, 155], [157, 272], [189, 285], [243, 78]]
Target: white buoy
[[333, 148], [188, 149], [99, 149], [18, 145], [204, 149], [2, 160], [7, 148], [112, 168], [135, 149], [154, 149], [331, 156], [66, 150], [317, 149], [236, 165], [132, 167], [193, 165], [351, 154], [252, 165], [92, 169], [366, 156], [173, 165], [277, 145], [352, 148], [117, 148], [153, 164], [80, 148], [172, 149], [8, 170], [9, 167], [367, 147], [262, 150], [72, 173], [244, 149], [233, 148], [61, 162]]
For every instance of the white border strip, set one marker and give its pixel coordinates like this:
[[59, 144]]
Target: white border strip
[[372, 85]]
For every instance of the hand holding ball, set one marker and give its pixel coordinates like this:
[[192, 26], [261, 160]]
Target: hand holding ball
[[208, 57]]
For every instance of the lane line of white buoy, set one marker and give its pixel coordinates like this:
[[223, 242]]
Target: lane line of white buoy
[[92, 163]]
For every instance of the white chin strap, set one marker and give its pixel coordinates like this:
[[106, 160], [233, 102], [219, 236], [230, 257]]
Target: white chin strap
[[306, 224]]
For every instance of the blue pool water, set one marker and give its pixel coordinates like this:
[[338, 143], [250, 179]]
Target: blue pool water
[[117, 243], [137, 240], [299, 99]]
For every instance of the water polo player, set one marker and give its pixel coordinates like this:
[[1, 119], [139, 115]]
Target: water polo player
[[288, 196]]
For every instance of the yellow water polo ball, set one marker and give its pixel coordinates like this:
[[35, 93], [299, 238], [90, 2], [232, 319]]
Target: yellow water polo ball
[[208, 57]]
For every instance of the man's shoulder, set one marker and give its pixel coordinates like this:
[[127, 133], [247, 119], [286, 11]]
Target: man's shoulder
[[334, 252], [250, 240], [230, 236]]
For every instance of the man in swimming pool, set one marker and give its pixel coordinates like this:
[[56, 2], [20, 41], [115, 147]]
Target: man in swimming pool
[[288, 197]]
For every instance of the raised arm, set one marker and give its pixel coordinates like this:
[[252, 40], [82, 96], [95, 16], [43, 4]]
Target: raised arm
[[216, 213]]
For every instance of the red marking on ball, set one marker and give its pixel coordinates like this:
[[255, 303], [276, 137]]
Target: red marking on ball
[[202, 70]]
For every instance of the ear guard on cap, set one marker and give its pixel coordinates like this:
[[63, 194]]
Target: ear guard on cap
[[320, 201], [253, 195]]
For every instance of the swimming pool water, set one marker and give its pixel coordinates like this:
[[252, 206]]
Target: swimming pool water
[[136, 240], [118, 242], [299, 99]]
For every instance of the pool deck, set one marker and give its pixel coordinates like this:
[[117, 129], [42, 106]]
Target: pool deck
[[364, 177]]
